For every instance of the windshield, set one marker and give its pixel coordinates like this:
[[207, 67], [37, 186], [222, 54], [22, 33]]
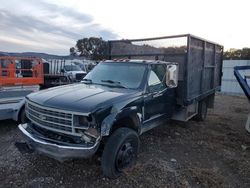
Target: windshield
[[128, 75], [72, 68]]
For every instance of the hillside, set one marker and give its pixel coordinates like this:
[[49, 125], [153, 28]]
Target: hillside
[[35, 54]]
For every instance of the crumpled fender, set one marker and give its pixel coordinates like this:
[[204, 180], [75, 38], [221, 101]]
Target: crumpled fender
[[116, 114]]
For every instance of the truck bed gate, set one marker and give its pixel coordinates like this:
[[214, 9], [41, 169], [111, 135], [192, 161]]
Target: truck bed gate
[[200, 61]]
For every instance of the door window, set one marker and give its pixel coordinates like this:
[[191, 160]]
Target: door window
[[156, 79]]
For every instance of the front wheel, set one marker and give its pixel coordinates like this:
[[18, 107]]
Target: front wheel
[[120, 152]]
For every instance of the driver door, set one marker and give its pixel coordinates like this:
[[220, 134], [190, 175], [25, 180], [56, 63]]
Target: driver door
[[158, 100]]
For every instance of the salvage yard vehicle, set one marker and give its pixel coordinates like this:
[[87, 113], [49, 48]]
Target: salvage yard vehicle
[[74, 72], [61, 72], [85, 65], [16, 81], [145, 83]]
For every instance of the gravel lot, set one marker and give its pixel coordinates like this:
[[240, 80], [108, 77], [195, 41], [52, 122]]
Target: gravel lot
[[214, 153]]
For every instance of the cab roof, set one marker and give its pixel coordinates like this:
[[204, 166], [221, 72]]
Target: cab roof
[[135, 61]]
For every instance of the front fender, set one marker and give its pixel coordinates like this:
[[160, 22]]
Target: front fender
[[115, 116]]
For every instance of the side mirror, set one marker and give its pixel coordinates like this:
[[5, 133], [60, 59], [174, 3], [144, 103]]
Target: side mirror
[[172, 75], [62, 71]]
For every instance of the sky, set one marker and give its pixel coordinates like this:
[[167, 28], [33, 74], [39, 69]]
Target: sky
[[53, 26]]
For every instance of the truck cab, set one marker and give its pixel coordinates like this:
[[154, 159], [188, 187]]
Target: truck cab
[[73, 71]]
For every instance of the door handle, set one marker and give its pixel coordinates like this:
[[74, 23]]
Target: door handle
[[157, 94], [154, 94]]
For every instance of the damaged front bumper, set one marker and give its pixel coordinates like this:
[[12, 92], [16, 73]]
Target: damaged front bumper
[[59, 151]]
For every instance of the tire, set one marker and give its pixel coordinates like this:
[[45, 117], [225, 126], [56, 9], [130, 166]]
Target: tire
[[120, 152], [202, 111], [22, 116]]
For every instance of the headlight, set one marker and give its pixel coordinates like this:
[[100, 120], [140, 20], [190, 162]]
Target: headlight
[[85, 126], [82, 121]]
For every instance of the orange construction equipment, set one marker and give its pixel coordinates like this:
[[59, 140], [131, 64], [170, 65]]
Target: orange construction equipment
[[16, 71]]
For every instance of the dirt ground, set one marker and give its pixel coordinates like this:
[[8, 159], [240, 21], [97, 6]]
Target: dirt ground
[[214, 153]]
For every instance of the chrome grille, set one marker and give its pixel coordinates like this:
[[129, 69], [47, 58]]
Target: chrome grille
[[51, 119]]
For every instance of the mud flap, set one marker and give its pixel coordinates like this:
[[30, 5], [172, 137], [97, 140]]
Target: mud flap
[[23, 147], [248, 123]]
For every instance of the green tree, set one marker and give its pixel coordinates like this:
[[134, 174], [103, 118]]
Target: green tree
[[93, 48]]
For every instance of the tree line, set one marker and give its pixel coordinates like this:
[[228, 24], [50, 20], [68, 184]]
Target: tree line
[[237, 54], [97, 49]]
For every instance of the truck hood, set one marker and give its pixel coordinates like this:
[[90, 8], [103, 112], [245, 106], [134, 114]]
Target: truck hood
[[80, 97]]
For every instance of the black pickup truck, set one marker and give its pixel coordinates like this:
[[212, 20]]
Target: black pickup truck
[[121, 98]]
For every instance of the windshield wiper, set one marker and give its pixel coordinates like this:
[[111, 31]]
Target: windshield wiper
[[111, 81], [116, 83], [87, 81]]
